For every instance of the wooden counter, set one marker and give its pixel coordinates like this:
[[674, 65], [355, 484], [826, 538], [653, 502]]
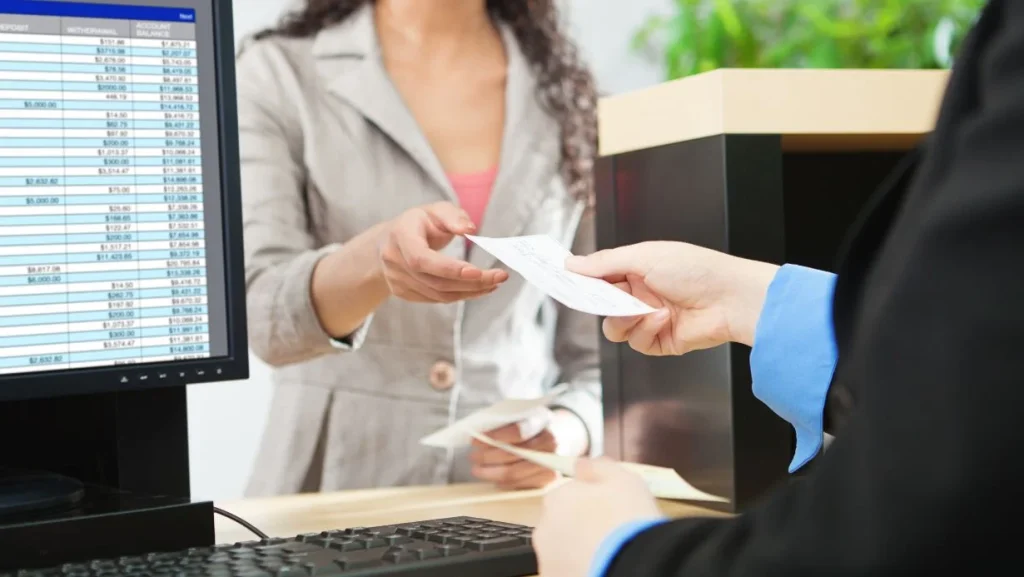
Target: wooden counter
[[810, 109], [291, 515]]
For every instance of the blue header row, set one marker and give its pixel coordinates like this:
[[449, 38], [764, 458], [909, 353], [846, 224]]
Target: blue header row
[[94, 10]]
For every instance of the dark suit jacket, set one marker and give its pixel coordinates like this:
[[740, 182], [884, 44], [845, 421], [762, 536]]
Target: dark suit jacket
[[927, 475]]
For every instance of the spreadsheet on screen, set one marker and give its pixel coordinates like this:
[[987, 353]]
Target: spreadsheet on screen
[[109, 189]]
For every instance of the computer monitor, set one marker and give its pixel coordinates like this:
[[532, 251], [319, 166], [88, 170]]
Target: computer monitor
[[121, 263], [121, 267]]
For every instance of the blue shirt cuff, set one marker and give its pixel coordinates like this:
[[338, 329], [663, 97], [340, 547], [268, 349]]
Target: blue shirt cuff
[[794, 354], [614, 543]]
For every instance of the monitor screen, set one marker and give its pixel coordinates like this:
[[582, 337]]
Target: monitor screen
[[115, 196]]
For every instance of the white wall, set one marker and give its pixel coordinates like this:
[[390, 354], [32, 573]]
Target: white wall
[[226, 419]]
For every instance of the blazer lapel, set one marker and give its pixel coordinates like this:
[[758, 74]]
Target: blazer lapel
[[348, 59], [529, 155]]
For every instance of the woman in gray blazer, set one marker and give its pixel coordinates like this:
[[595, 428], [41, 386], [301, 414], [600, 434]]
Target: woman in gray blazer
[[374, 135]]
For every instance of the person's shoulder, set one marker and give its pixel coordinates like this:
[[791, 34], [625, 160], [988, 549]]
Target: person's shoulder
[[274, 56]]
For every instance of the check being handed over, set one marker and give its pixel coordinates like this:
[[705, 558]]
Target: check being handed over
[[541, 261]]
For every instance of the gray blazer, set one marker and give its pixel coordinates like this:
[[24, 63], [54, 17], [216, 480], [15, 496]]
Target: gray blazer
[[328, 150]]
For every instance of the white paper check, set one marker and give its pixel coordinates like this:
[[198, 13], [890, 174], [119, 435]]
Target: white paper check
[[541, 261], [663, 483], [506, 412]]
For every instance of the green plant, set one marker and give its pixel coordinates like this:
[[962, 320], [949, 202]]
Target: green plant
[[702, 35]]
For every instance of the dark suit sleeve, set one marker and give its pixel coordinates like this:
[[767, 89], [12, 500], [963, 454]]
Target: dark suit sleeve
[[926, 479]]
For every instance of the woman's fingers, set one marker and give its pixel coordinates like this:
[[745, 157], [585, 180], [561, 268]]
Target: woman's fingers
[[486, 282], [412, 291], [449, 219], [419, 257]]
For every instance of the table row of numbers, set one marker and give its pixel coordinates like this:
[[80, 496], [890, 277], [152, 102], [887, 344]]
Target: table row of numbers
[[92, 49], [122, 211], [72, 251], [107, 162], [82, 223], [139, 314], [118, 56], [110, 271], [93, 359], [75, 40], [98, 181], [102, 304], [66, 203], [96, 124], [102, 345], [116, 285], [90, 296], [176, 231], [122, 168], [96, 144], [181, 333], [96, 82], [36, 113], [36, 265], [146, 102]]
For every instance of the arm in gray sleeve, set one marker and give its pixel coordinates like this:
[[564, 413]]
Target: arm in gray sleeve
[[280, 252]]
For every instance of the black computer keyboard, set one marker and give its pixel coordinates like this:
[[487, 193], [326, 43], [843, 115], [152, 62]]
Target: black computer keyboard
[[455, 547]]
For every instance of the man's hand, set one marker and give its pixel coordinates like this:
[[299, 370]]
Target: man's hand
[[581, 514], [553, 432], [707, 298]]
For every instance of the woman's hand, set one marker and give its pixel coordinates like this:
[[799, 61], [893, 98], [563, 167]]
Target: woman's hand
[[706, 298], [414, 269], [557, 431]]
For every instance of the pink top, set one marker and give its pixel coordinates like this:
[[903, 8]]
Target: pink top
[[474, 191]]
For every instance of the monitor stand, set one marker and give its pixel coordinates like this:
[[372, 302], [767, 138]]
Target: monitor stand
[[96, 476]]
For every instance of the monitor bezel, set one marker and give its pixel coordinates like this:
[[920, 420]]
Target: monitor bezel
[[234, 366]]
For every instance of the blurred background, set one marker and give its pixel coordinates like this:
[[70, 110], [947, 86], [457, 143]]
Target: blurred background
[[629, 44]]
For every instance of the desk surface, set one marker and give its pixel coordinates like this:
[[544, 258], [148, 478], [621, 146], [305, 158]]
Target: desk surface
[[291, 515], [809, 109]]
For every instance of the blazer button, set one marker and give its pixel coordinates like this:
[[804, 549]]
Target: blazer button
[[442, 376]]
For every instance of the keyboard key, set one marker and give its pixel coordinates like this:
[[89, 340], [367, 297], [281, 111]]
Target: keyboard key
[[495, 543], [425, 553], [424, 534], [299, 548], [451, 550], [319, 541], [373, 543], [397, 540], [451, 538], [400, 556], [351, 564], [347, 545], [290, 571]]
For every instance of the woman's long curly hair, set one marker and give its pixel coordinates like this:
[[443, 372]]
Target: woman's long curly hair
[[564, 84]]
